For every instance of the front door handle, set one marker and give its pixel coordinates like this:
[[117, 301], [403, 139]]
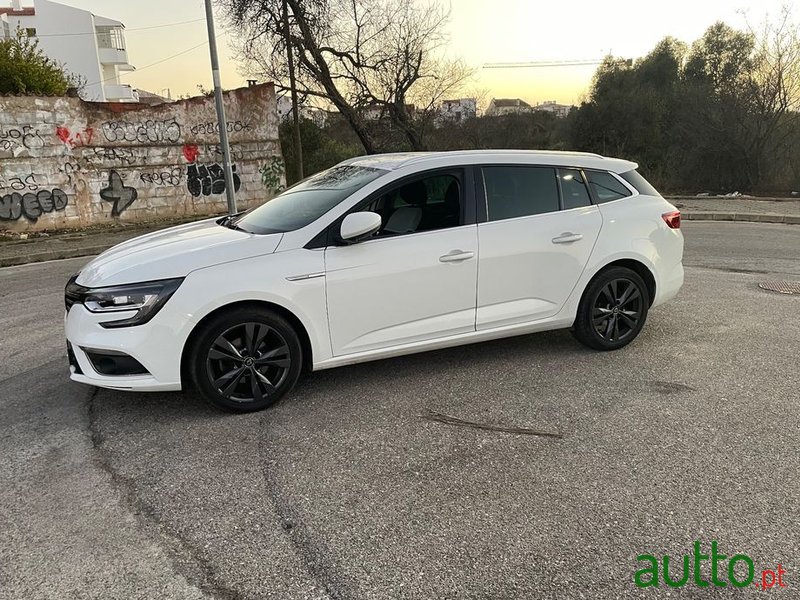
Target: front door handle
[[567, 238], [456, 256]]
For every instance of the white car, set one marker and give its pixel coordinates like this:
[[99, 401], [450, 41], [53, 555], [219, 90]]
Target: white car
[[378, 256]]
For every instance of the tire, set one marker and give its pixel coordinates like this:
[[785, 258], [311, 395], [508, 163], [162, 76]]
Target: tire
[[245, 360], [613, 310]]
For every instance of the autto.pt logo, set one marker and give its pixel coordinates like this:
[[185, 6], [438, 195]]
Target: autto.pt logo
[[704, 570]]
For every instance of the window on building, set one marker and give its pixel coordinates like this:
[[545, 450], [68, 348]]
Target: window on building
[[519, 191], [110, 37]]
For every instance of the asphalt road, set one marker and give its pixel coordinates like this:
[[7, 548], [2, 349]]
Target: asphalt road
[[348, 489]]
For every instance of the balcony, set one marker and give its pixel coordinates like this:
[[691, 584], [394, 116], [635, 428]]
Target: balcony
[[113, 56], [120, 93]]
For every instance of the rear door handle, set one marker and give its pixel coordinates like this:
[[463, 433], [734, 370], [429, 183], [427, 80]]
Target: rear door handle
[[567, 238], [456, 256]]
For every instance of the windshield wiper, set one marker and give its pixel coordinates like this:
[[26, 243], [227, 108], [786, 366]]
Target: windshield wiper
[[229, 222]]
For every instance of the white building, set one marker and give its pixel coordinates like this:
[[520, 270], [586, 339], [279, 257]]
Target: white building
[[458, 110], [89, 46], [551, 106], [284, 105], [507, 106], [312, 113]]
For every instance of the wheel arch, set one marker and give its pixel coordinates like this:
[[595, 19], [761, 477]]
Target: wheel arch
[[637, 266], [294, 321]]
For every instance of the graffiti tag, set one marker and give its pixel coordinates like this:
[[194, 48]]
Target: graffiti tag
[[213, 152], [172, 177], [123, 155], [213, 127], [25, 136], [143, 132], [30, 205], [190, 152], [81, 137], [19, 183], [209, 179], [117, 192]]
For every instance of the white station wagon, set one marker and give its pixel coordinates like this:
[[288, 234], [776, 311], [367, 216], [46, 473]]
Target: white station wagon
[[378, 256]]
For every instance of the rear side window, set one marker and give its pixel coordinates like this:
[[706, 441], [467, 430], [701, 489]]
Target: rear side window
[[606, 187], [640, 183], [519, 191], [573, 189]]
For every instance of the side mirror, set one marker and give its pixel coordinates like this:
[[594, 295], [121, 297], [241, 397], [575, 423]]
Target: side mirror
[[359, 226]]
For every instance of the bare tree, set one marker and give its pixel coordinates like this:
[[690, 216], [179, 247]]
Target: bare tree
[[385, 56], [775, 88]]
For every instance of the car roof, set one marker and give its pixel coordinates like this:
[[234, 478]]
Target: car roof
[[583, 160]]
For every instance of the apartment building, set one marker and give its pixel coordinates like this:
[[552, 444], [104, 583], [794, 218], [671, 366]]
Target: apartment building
[[88, 45]]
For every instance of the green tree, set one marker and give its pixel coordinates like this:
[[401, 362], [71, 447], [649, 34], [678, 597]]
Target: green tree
[[24, 69], [320, 150]]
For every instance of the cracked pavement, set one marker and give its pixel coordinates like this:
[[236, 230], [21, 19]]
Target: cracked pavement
[[348, 490]]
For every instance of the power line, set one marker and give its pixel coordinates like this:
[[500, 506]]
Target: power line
[[549, 63], [158, 62], [125, 28]]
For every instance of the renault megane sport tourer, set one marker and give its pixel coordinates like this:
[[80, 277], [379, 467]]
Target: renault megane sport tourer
[[378, 256]]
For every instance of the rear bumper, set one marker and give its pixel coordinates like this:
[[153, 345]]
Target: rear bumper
[[669, 285]]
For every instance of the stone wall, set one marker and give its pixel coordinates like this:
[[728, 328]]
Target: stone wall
[[68, 164]]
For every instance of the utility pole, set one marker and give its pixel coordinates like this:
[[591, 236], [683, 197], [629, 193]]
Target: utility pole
[[298, 146], [223, 123]]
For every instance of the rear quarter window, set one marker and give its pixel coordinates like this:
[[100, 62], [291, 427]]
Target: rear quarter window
[[640, 183], [606, 187]]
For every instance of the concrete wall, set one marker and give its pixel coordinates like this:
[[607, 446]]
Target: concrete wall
[[68, 164]]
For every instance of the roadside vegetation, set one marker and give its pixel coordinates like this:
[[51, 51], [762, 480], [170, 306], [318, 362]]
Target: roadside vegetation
[[718, 115], [24, 69]]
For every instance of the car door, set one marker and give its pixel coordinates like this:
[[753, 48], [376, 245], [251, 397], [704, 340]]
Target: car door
[[536, 237], [416, 279]]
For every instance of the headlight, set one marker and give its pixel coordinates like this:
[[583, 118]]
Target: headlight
[[145, 298]]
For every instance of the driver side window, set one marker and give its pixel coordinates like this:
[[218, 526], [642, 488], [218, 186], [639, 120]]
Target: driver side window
[[425, 204]]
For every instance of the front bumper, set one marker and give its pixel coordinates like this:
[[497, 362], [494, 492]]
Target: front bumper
[[155, 345]]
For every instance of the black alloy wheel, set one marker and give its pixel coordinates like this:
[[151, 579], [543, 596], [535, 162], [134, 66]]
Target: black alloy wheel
[[617, 310], [613, 309], [246, 360]]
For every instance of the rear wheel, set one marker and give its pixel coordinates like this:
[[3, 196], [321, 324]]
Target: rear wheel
[[613, 310], [246, 360]]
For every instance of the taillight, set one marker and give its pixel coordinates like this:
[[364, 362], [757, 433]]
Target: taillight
[[672, 219]]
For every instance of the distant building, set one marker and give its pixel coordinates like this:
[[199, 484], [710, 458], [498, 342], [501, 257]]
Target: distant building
[[457, 110], [318, 115], [284, 106], [89, 46], [551, 106], [378, 112], [151, 99], [507, 106]]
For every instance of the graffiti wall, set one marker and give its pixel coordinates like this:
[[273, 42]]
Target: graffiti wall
[[67, 164]]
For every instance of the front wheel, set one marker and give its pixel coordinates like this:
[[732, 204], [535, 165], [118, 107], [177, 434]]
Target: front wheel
[[613, 310], [246, 360]]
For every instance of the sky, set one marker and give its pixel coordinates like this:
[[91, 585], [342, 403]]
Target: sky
[[480, 32]]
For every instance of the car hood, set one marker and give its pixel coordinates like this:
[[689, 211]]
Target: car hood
[[174, 252]]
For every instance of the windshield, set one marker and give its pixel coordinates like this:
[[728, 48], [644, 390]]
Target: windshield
[[308, 200]]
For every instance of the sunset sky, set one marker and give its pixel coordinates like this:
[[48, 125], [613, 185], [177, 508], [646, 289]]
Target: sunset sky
[[481, 32]]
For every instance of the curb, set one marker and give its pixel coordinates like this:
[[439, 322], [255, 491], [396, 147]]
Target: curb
[[14, 261], [748, 198], [747, 217]]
